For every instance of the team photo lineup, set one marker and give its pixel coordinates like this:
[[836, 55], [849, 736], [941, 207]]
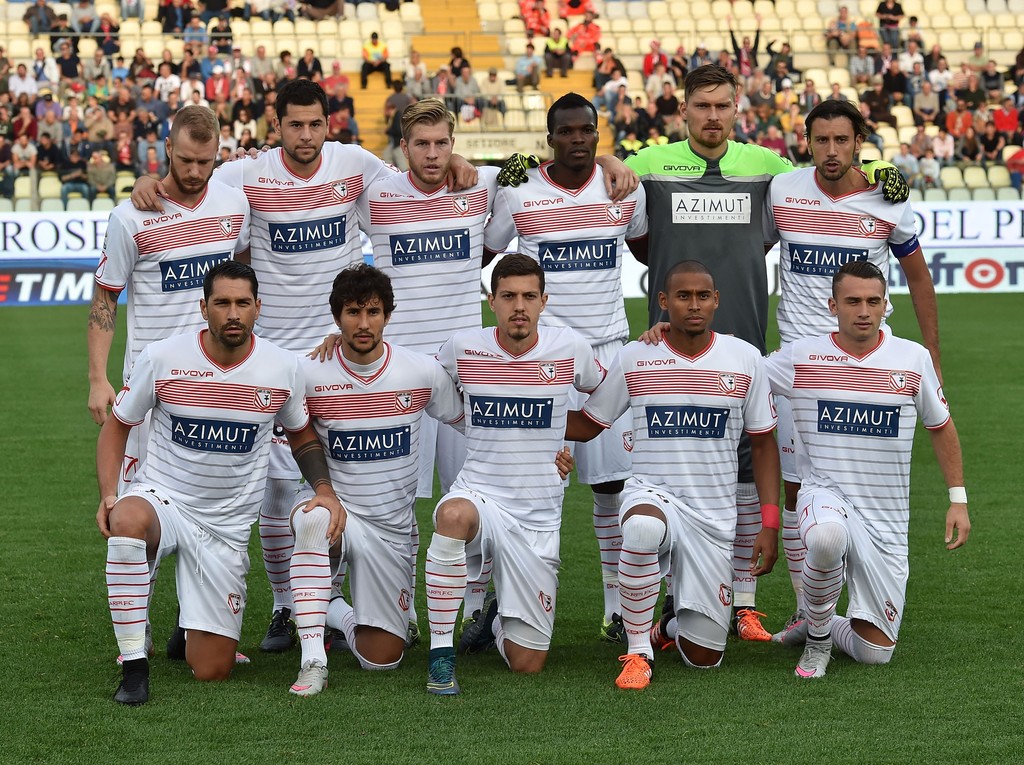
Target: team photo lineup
[[283, 381]]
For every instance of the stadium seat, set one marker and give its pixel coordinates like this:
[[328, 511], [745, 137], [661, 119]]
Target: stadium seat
[[984, 195], [934, 195], [951, 177], [916, 195], [22, 187], [975, 177], [999, 176], [23, 205], [959, 195], [904, 116], [615, 10], [1008, 194], [79, 204], [6, 205], [102, 204], [49, 187], [869, 153]]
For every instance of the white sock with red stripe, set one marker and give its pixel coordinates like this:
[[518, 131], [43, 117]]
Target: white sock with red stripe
[[795, 551], [414, 553], [445, 580], [276, 538], [311, 580], [640, 579], [128, 585], [823, 574], [609, 542], [748, 526], [476, 591]]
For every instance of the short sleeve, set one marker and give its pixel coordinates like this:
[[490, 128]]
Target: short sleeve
[[445, 402], [120, 254], [611, 398], [138, 396], [294, 415], [759, 409], [930, 401], [779, 368], [637, 227], [502, 226], [588, 370]]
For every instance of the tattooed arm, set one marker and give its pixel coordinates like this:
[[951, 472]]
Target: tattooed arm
[[309, 456], [102, 318]]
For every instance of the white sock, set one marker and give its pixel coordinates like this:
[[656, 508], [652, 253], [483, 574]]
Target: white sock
[[476, 591], [609, 542], [311, 580], [445, 580], [640, 579], [748, 526], [128, 584], [824, 567], [499, 638], [413, 556], [276, 538], [795, 552], [856, 647]]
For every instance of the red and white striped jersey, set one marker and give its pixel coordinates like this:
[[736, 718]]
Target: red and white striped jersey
[[515, 409], [163, 257], [368, 419], [578, 237], [209, 436], [855, 417], [304, 231], [431, 245], [817, 234], [688, 414]]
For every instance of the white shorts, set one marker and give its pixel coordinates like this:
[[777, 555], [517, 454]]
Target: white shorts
[[209, 573], [607, 457], [282, 463], [700, 564], [444, 445], [525, 563], [876, 580], [134, 453]]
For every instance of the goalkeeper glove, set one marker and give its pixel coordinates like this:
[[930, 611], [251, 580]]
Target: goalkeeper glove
[[513, 172], [894, 185]]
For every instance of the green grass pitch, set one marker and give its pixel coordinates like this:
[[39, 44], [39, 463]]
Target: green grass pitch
[[953, 692]]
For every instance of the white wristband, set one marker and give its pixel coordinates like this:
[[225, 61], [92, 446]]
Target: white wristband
[[957, 495]]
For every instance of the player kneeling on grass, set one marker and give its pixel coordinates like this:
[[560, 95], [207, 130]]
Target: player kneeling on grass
[[690, 397], [856, 395], [213, 397], [366, 403]]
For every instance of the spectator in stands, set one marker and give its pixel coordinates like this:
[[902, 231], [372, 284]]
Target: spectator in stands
[[5, 122], [977, 60], [40, 18], [309, 66], [44, 68], [285, 69], [651, 60], [101, 176], [24, 124], [466, 85], [245, 121], [218, 86], [890, 14], [457, 61], [773, 140], [878, 102], [701, 56], [536, 19], [443, 85], [745, 53], [108, 35], [931, 58], [930, 170], [144, 124], [837, 93], [52, 126], [915, 83], [926, 107], [96, 66], [585, 37], [655, 84], [968, 149], [861, 66], [606, 98], [394, 107], [69, 67], [149, 100], [141, 68], [99, 126], [194, 32], [908, 166], [625, 121], [726, 61], [992, 144], [322, 9], [679, 64], [1007, 120], [221, 36], [23, 157], [84, 19], [342, 127], [782, 58], [166, 82], [779, 73], [7, 173], [416, 64], [557, 54], [21, 82], [785, 97], [840, 34], [73, 173], [894, 84], [340, 99], [48, 155], [628, 144], [909, 57], [178, 17], [375, 59], [419, 86], [133, 8], [568, 8], [666, 103], [492, 103], [809, 97], [62, 32], [45, 103], [941, 79], [972, 95], [606, 63], [884, 59], [992, 80], [249, 102], [920, 142], [527, 69], [1015, 164]]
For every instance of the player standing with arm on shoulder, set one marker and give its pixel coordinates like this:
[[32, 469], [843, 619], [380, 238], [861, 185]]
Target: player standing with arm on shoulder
[[214, 397], [825, 216], [856, 395], [689, 399], [566, 221]]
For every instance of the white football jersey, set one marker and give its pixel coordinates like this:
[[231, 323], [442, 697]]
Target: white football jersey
[[515, 408], [855, 418], [368, 419], [304, 231], [817, 234], [578, 237], [431, 246], [209, 435], [162, 258], [687, 417]]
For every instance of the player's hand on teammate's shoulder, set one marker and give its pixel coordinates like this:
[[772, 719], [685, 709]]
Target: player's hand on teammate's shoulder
[[564, 462], [325, 351], [619, 180], [251, 153], [653, 335], [146, 194], [513, 172], [462, 174], [958, 526], [894, 185], [101, 398], [103, 515]]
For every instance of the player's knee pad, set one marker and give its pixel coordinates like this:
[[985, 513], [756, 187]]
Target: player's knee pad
[[311, 528], [523, 634], [866, 652], [643, 533], [701, 630], [828, 543]]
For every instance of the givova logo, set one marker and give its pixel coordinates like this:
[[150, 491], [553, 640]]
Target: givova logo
[[368, 445], [583, 255], [507, 412], [855, 419], [430, 247], [308, 236], [221, 436], [686, 421], [188, 273], [820, 259]]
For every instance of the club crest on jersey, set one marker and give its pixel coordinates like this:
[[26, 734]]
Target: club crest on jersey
[[404, 599], [867, 225], [226, 225], [725, 594], [614, 213], [547, 371], [890, 611], [263, 398], [545, 601], [897, 380], [461, 205], [340, 189], [403, 399], [627, 440], [727, 382], [234, 602]]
